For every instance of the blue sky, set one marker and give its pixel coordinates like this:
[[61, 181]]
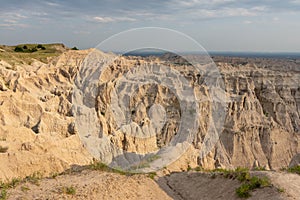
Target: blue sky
[[228, 25]]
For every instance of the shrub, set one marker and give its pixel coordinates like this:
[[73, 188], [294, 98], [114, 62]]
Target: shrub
[[39, 46], [18, 49], [25, 47], [34, 49], [75, 48], [243, 176], [254, 182], [243, 191]]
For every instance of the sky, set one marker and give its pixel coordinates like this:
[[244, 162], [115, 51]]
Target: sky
[[228, 25]]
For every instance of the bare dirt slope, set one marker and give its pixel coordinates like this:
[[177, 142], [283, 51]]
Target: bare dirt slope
[[194, 186], [289, 182], [91, 185]]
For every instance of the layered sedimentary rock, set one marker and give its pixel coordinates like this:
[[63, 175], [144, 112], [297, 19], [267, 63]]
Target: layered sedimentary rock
[[37, 124]]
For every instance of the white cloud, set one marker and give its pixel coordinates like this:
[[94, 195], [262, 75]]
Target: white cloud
[[12, 26], [52, 4], [100, 19]]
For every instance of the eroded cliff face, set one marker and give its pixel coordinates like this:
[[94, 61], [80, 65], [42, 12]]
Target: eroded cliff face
[[261, 127], [262, 122], [37, 122]]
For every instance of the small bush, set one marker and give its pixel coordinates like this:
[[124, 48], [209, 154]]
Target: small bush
[[18, 49], [39, 46], [243, 176], [25, 47], [243, 191], [254, 182], [75, 48], [295, 169], [34, 49]]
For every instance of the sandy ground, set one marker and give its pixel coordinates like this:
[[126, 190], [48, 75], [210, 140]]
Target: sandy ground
[[89, 184]]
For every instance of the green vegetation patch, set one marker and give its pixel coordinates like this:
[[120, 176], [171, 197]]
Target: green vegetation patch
[[295, 169], [68, 190], [253, 183]]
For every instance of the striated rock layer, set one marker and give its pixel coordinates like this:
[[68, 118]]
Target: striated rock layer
[[38, 130]]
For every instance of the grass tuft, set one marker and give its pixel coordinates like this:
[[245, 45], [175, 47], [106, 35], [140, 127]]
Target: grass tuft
[[34, 178], [254, 182], [68, 190], [295, 169]]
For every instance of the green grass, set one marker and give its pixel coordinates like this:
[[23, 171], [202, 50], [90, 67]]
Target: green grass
[[239, 173], [295, 170], [249, 185], [103, 167], [54, 175], [243, 191], [259, 169], [24, 189], [3, 194], [152, 175], [281, 190], [34, 178], [242, 174], [198, 169], [4, 186], [68, 190], [15, 58]]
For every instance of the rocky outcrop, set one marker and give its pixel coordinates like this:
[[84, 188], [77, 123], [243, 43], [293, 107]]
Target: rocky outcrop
[[35, 118], [39, 127]]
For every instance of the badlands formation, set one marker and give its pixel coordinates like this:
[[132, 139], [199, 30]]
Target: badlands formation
[[41, 129]]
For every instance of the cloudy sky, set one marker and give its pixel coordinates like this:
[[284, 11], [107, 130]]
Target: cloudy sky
[[228, 25]]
